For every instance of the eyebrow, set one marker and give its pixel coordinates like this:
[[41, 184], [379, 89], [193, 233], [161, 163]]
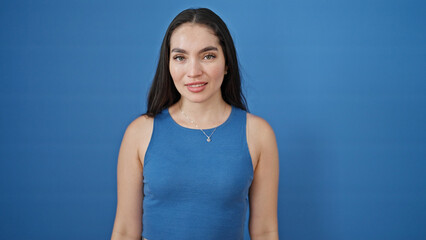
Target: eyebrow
[[206, 49]]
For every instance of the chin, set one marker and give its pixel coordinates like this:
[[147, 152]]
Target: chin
[[197, 99], [201, 96]]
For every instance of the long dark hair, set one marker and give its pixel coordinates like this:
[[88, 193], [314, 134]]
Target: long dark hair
[[163, 92]]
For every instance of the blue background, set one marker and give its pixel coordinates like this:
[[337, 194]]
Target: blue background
[[341, 82]]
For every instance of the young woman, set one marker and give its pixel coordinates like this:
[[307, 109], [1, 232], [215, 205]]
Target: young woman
[[196, 160]]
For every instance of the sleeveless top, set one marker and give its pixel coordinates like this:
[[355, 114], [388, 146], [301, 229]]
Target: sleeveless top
[[194, 189]]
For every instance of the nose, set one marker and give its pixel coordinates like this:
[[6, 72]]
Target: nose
[[194, 69]]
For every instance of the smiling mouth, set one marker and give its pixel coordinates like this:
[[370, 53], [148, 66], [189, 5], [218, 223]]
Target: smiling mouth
[[196, 85]]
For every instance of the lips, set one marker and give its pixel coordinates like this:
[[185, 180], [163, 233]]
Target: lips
[[196, 86]]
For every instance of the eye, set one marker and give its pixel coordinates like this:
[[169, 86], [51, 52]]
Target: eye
[[209, 56], [178, 58]]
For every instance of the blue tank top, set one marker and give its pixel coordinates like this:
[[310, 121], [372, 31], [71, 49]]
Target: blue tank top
[[194, 189]]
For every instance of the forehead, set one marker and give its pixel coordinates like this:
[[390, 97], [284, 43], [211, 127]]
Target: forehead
[[193, 36]]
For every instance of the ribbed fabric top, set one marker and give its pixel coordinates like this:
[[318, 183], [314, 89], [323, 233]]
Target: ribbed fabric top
[[194, 189]]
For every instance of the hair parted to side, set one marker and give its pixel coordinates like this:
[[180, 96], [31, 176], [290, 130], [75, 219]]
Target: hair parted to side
[[163, 92]]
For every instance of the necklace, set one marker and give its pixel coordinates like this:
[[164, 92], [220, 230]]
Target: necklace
[[196, 125]]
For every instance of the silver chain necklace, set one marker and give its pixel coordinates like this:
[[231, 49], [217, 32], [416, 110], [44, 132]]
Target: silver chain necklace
[[196, 125]]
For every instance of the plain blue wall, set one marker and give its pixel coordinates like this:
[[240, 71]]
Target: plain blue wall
[[343, 83]]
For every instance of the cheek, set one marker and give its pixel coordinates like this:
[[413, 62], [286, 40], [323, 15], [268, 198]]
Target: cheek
[[217, 72], [175, 72]]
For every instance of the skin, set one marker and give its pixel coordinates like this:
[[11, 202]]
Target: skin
[[190, 62], [196, 56]]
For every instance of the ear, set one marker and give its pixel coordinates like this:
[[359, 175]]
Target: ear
[[226, 70]]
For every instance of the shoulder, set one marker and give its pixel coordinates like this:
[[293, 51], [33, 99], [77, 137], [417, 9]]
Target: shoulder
[[259, 127], [140, 126], [138, 134], [260, 140], [260, 137]]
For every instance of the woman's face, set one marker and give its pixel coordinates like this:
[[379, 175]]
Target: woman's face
[[197, 62]]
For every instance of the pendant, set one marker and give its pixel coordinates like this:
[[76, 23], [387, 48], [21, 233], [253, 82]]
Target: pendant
[[208, 139]]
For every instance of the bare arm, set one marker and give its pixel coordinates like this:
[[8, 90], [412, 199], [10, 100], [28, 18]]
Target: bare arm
[[263, 222], [128, 218]]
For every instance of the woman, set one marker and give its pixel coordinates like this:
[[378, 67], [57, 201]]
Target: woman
[[192, 164]]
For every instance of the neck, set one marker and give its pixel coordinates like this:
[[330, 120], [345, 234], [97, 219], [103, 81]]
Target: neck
[[207, 113]]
